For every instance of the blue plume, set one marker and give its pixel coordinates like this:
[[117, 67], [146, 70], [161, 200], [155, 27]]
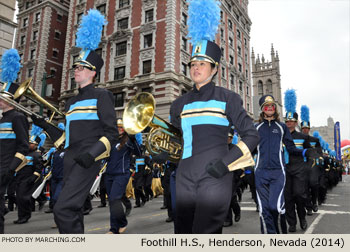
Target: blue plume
[[42, 141], [316, 134], [290, 100], [235, 139], [10, 65], [36, 130], [61, 126], [333, 153], [90, 30], [138, 137], [305, 113], [204, 19], [53, 149], [326, 145]]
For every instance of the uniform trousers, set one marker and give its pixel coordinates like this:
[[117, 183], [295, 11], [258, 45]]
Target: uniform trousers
[[77, 182], [295, 194], [202, 201], [312, 186]]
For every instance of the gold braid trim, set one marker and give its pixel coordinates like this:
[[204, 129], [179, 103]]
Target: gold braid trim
[[60, 141], [107, 144], [244, 161], [23, 163]]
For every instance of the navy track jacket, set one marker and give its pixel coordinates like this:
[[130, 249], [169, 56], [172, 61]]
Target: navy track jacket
[[273, 135]]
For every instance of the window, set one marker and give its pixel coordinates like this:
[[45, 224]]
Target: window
[[230, 41], [269, 86], [246, 74], [123, 23], [184, 44], [32, 54], [245, 42], [147, 90], [37, 17], [231, 60], [248, 107], [35, 35], [238, 34], [223, 72], [222, 33], [59, 17], [240, 67], [239, 49], [119, 73], [147, 66], [55, 54], [30, 72], [149, 16], [184, 69], [102, 9], [247, 90], [230, 24], [119, 100], [229, 7], [120, 49], [232, 82], [221, 15], [99, 52], [240, 86], [260, 88], [147, 42], [25, 22], [79, 17], [53, 73], [123, 3], [184, 19], [222, 52], [21, 56], [57, 35], [23, 40]]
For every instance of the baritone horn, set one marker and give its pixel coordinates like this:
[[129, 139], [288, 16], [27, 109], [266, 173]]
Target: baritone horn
[[26, 90], [163, 137]]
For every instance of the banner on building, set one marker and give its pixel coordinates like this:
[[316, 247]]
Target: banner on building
[[337, 146]]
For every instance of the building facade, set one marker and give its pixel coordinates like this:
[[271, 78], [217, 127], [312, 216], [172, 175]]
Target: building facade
[[145, 48], [266, 80], [7, 26], [327, 132], [40, 41]]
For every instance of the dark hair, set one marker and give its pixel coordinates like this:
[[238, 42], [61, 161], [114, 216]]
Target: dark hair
[[276, 115], [123, 139]]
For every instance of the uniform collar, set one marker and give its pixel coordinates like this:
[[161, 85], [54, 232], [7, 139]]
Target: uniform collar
[[8, 112], [86, 88], [204, 88]]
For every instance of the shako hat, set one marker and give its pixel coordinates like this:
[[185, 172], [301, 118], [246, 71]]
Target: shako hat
[[290, 102], [266, 99]]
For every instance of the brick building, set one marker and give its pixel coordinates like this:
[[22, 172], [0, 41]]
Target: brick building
[[145, 48], [40, 41]]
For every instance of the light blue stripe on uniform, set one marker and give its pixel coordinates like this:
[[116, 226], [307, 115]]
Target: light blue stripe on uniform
[[139, 161], [80, 116], [30, 158], [188, 122], [5, 134], [299, 143]]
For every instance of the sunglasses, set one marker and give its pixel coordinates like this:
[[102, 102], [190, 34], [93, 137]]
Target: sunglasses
[[80, 68]]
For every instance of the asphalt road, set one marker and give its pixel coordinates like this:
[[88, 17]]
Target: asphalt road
[[333, 217]]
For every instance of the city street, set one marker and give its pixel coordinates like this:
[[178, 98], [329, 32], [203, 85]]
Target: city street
[[332, 217]]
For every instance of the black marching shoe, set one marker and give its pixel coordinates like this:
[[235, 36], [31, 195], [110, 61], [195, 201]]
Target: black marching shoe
[[303, 224], [127, 211], [237, 217], [227, 224], [87, 211], [309, 212], [41, 204], [169, 219], [315, 208], [292, 229], [101, 205], [21, 221], [50, 210]]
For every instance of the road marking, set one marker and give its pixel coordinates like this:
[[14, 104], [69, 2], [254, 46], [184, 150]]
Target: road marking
[[333, 205], [314, 223]]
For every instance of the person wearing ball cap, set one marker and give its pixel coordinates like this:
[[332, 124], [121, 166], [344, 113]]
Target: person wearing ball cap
[[204, 116], [270, 166]]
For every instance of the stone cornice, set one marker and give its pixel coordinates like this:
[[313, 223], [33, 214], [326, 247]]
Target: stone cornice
[[42, 5]]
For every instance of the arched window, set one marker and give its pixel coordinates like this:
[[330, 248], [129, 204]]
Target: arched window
[[269, 87], [260, 88]]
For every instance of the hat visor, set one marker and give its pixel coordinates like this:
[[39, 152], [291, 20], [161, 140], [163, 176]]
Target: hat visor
[[84, 63], [202, 58]]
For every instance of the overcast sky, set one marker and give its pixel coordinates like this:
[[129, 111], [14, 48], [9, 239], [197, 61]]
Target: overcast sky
[[312, 40]]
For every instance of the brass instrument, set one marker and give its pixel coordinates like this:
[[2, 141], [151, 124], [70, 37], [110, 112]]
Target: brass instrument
[[163, 137], [26, 90]]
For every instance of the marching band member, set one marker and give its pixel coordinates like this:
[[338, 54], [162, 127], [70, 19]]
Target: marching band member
[[204, 115], [14, 127]]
